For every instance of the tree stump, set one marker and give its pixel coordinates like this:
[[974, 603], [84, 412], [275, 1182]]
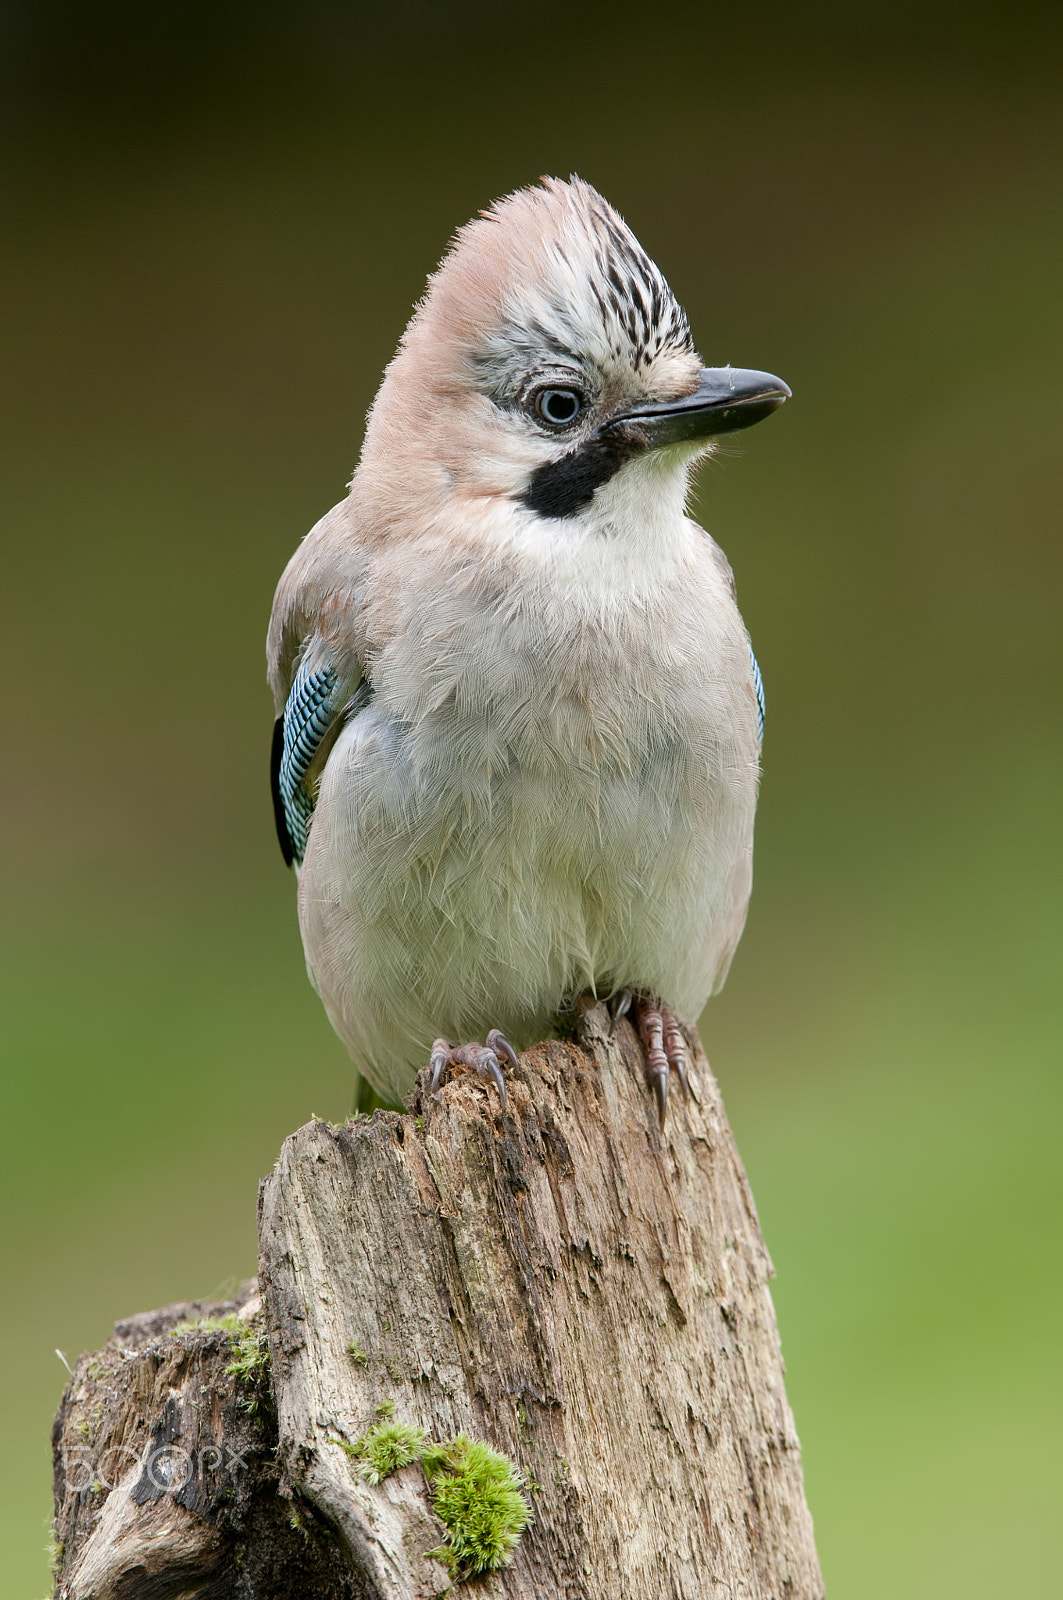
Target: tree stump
[[560, 1280]]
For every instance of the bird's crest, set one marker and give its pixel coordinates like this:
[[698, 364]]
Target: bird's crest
[[553, 271], [592, 270]]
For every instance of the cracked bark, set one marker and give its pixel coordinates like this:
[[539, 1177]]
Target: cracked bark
[[561, 1281]]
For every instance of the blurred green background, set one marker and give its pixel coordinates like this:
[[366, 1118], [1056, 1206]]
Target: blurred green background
[[218, 218]]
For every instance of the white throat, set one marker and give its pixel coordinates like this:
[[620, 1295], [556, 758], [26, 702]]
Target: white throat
[[632, 540]]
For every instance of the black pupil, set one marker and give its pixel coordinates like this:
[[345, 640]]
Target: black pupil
[[558, 405]]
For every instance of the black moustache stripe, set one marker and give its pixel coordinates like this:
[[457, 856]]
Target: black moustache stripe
[[559, 488]]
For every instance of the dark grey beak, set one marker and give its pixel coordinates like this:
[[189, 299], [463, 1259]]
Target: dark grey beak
[[726, 398]]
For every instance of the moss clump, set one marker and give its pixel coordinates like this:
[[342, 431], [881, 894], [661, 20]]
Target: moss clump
[[357, 1354], [230, 1323], [249, 1363], [250, 1354], [384, 1448], [476, 1494]]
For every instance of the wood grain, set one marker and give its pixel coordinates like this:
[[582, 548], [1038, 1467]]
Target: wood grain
[[559, 1279], [562, 1281]]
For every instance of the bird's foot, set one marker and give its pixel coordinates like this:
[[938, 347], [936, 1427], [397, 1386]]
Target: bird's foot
[[662, 1038], [485, 1060]]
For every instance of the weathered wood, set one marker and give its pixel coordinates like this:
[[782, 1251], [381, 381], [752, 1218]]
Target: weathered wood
[[166, 1482], [562, 1281], [559, 1280]]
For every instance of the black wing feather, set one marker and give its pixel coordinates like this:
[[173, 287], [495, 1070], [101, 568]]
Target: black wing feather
[[279, 814]]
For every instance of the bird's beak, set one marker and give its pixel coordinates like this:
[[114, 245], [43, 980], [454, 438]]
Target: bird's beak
[[726, 398]]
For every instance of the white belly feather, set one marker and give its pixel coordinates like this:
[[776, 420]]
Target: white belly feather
[[545, 795]]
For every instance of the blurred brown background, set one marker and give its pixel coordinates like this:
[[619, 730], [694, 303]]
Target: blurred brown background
[[218, 217]]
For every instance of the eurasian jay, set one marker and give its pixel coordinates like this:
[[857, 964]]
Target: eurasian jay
[[519, 720]]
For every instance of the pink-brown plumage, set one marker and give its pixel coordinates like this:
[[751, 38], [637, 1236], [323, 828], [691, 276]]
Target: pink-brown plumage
[[552, 786]]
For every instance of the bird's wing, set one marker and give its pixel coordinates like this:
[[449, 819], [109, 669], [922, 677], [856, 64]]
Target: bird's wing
[[318, 705], [308, 714], [316, 668]]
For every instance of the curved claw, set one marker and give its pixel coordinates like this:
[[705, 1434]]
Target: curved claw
[[665, 1046], [675, 1047], [620, 1004], [651, 1026], [484, 1060], [497, 1041], [439, 1060], [659, 1082], [488, 1068]]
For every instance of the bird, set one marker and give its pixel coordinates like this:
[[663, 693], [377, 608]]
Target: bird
[[518, 728]]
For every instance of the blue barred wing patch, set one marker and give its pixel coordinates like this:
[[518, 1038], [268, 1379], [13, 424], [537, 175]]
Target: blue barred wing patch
[[758, 689], [308, 714]]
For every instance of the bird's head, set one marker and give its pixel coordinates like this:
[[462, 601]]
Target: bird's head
[[549, 359]]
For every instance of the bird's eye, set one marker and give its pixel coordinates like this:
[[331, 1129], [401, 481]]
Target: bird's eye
[[558, 407]]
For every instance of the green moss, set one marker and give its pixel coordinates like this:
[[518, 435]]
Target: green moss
[[477, 1495], [337, 1127], [250, 1361], [385, 1447], [250, 1354], [54, 1551], [89, 1423], [356, 1353], [230, 1323]]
